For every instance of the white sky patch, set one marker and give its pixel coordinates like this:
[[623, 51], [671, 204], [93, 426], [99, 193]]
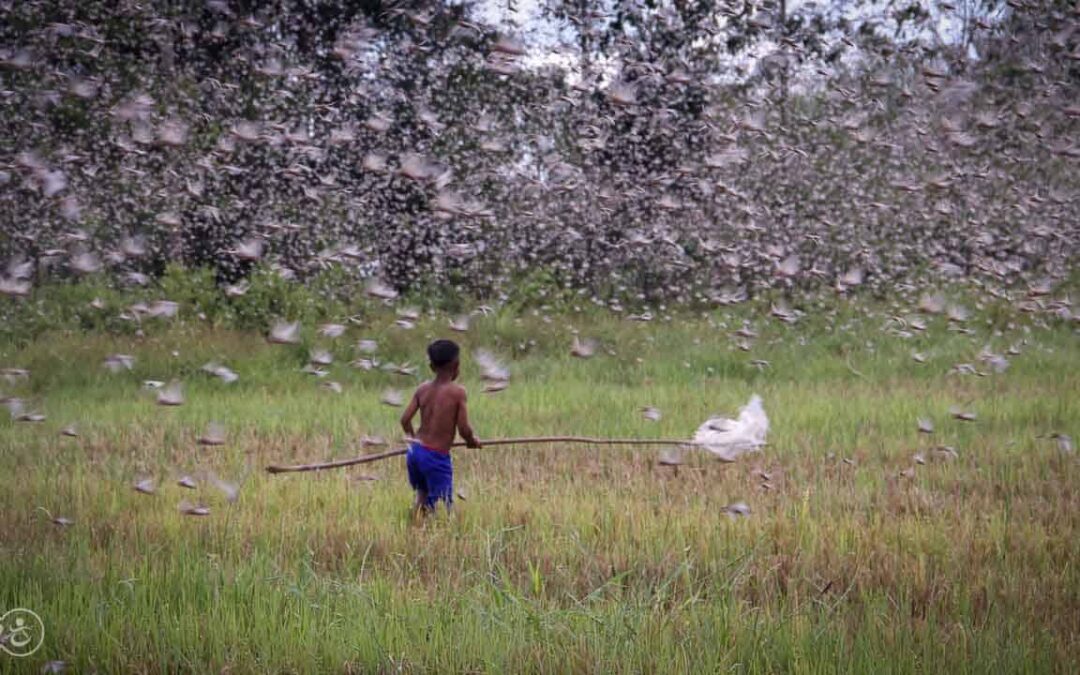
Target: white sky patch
[[553, 43]]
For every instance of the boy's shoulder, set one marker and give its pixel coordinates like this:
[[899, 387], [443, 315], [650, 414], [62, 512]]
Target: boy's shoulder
[[457, 390], [452, 387]]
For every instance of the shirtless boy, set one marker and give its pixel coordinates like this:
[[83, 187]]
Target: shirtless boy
[[443, 414]]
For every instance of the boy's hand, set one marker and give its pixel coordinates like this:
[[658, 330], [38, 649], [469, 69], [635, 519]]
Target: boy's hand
[[473, 443]]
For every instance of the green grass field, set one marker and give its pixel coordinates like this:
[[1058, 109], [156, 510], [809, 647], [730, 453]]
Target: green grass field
[[560, 558]]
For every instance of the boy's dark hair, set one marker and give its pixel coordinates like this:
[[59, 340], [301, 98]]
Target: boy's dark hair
[[442, 353]]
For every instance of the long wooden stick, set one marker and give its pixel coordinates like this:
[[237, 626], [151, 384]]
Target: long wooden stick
[[337, 464]]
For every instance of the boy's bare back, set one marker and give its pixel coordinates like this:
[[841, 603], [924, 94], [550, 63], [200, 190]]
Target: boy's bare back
[[441, 402], [442, 413]]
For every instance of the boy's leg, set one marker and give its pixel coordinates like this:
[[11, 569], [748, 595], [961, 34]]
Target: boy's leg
[[440, 480], [420, 508], [414, 465]]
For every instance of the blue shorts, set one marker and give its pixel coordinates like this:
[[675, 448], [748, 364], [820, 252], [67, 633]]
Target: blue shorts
[[430, 472]]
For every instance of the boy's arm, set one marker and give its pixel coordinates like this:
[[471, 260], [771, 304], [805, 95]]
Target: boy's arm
[[464, 428], [410, 412]]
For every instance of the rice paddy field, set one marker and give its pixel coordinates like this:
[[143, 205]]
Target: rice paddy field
[[855, 557]]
